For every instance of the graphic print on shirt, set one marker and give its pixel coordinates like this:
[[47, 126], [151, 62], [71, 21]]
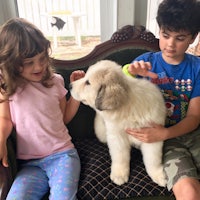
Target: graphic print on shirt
[[176, 94]]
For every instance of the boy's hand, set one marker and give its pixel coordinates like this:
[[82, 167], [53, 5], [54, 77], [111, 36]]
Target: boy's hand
[[76, 75], [148, 134], [141, 68]]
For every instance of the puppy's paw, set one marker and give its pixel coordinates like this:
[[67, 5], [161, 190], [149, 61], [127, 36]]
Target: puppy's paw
[[119, 179], [159, 177], [119, 175]]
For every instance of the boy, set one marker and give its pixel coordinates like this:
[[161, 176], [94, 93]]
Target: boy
[[178, 76]]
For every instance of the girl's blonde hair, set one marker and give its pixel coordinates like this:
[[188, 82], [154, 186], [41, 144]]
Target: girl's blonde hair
[[19, 40]]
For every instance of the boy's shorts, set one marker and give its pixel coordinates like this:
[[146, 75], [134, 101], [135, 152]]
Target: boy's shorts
[[181, 157]]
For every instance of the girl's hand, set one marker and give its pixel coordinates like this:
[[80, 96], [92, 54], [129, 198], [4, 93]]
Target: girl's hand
[[141, 68], [3, 155], [75, 75], [152, 134]]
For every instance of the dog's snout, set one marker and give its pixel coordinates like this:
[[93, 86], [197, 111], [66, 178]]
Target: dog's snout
[[70, 86]]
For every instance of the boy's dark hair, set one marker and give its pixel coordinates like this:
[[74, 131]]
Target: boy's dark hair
[[179, 15]]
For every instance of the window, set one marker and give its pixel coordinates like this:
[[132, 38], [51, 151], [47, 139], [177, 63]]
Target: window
[[72, 26]]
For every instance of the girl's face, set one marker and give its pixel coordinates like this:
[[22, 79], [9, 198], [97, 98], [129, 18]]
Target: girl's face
[[174, 44], [34, 68]]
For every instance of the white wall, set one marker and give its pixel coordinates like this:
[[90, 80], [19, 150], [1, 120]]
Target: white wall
[[125, 13], [117, 13], [8, 9], [151, 24], [108, 18]]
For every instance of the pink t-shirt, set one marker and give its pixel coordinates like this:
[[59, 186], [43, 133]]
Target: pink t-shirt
[[38, 120]]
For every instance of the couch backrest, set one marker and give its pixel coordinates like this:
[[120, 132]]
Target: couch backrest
[[124, 45]]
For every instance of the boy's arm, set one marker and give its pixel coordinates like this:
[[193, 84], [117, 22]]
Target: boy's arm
[[159, 133], [189, 123], [6, 127], [152, 134]]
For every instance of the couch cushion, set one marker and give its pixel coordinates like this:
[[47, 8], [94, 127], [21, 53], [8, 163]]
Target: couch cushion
[[95, 180]]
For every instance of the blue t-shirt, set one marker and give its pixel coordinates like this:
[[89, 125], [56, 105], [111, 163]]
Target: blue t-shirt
[[178, 83]]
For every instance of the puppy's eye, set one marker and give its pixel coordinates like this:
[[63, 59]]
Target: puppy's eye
[[87, 82]]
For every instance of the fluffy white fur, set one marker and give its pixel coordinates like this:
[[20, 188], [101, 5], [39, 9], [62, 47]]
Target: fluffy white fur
[[123, 102]]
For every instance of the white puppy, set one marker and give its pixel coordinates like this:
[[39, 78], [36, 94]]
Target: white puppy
[[123, 102]]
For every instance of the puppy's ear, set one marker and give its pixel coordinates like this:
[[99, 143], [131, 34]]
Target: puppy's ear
[[110, 97], [100, 98]]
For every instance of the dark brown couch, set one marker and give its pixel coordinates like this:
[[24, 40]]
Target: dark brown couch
[[95, 183]]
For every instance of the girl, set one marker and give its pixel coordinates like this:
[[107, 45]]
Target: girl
[[33, 102]]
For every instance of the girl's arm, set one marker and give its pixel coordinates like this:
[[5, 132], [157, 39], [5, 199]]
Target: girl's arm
[[71, 109], [5, 129], [71, 106]]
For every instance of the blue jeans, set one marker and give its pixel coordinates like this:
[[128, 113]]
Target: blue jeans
[[58, 172]]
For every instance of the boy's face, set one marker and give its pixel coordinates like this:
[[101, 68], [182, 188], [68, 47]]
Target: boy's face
[[174, 44], [34, 68]]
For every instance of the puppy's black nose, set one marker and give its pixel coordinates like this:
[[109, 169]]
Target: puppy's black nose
[[70, 86]]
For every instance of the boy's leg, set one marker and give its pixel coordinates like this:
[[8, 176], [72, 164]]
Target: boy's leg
[[182, 162], [63, 170], [187, 189], [30, 183], [194, 147]]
